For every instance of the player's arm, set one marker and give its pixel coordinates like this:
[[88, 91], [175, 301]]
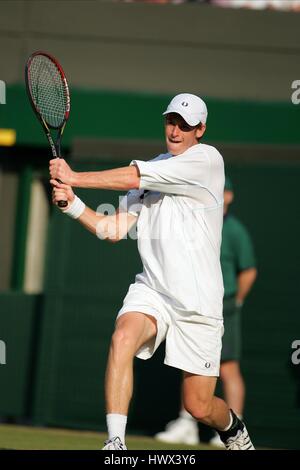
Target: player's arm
[[245, 281], [120, 179], [111, 228], [107, 227], [246, 263]]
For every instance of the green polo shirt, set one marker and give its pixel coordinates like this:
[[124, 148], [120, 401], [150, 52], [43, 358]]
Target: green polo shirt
[[237, 253]]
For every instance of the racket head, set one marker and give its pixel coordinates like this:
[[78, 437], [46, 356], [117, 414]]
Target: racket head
[[48, 89]]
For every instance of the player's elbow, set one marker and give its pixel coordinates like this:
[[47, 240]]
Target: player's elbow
[[106, 238], [107, 229], [113, 239], [117, 236], [111, 228]]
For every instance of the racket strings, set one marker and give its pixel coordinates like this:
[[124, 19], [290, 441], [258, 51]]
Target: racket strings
[[48, 90]]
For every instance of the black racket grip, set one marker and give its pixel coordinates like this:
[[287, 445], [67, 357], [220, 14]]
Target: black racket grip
[[61, 203]]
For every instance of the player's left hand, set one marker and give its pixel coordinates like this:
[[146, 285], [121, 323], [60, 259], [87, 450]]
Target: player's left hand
[[60, 170], [62, 192]]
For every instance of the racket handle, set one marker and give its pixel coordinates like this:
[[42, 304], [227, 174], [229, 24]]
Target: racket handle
[[61, 203]]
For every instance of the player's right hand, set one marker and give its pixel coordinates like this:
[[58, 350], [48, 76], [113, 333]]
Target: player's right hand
[[60, 170], [62, 192]]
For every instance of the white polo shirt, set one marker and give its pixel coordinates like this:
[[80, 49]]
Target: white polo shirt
[[180, 215]]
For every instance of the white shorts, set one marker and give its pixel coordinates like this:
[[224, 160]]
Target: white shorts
[[193, 341]]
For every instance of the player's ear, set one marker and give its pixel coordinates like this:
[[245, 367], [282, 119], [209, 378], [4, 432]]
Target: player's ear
[[200, 131]]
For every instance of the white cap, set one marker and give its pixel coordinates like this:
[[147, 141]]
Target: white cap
[[190, 107]]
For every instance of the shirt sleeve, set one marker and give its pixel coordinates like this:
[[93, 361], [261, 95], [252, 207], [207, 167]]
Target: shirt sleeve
[[132, 202], [182, 175], [245, 250]]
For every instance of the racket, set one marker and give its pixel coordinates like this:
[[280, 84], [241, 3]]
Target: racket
[[48, 92]]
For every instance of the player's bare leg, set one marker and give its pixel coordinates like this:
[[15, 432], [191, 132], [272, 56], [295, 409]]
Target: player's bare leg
[[132, 331], [233, 386], [200, 402]]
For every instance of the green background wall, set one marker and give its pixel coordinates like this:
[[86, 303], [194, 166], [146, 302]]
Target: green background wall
[[19, 320], [96, 113]]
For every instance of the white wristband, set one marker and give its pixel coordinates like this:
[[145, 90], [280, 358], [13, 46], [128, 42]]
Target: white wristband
[[75, 209]]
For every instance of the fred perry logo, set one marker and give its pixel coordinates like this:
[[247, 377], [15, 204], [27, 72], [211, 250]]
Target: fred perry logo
[[207, 365], [184, 103]]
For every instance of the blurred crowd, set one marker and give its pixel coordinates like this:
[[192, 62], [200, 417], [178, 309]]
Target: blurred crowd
[[285, 5]]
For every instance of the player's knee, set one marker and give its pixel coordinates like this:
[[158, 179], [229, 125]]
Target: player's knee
[[199, 409], [122, 341]]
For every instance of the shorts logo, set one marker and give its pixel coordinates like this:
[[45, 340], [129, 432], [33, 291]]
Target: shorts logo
[[184, 103], [207, 365]]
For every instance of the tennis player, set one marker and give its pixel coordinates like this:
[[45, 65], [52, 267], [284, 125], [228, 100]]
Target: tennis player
[[176, 199]]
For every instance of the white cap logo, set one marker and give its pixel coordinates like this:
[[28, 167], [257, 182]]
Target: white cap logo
[[184, 103]]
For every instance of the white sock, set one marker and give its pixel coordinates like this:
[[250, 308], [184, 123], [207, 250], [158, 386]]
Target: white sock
[[116, 426], [230, 422], [186, 415]]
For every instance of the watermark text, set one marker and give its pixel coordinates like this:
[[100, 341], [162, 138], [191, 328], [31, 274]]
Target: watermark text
[[296, 94], [117, 225], [2, 352], [2, 92], [296, 354]]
